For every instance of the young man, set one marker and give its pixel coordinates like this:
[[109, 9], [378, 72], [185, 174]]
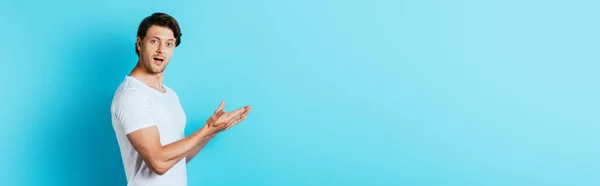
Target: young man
[[147, 116]]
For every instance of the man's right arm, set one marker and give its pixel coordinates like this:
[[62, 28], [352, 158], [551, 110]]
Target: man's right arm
[[160, 158], [136, 115]]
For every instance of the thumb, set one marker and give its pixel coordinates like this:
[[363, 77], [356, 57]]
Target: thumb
[[221, 106]]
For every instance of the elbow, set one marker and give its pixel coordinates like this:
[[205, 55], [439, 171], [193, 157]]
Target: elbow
[[157, 166]]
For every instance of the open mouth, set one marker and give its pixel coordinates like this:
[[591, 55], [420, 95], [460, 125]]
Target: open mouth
[[158, 59]]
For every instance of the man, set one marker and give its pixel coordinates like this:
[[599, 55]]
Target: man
[[147, 116]]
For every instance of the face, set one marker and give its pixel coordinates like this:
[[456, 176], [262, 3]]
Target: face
[[156, 48]]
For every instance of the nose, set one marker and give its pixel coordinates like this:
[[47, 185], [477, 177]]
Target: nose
[[160, 49]]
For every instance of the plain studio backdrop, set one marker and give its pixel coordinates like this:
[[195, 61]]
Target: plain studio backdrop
[[444, 93]]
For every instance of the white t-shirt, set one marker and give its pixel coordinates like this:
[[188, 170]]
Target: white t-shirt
[[135, 106]]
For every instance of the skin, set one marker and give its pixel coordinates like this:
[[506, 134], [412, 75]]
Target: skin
[[156, 50]]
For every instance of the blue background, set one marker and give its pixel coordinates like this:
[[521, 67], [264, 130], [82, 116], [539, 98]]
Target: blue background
[[448, 93]]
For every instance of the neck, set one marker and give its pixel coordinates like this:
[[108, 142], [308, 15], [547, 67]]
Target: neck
[[153, 80]]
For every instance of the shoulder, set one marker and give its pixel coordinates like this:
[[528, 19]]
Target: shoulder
[[131, 94], [129, 90], [131, 97]]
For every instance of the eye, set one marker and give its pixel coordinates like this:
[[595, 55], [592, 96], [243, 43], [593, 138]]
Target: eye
[[170, 44], [154, 41]]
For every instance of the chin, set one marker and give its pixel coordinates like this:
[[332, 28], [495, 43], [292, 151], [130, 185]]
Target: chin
[[155, 69], [158, 70]]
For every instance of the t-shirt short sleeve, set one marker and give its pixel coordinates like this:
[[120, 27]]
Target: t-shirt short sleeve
[[134, 110]]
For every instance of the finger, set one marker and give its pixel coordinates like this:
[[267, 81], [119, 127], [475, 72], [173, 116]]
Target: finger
[[233, 123], [243, 110], [215, 116], [221, 106], [230, 125], [239, 118], [233, 120], [227, 116], [238, 115], [247, 110], [219, 113], [237, 111], [237, 121]]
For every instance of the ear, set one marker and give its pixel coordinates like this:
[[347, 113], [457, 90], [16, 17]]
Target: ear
[[138, 43]]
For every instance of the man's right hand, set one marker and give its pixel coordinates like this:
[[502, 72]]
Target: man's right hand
[[220, 121]]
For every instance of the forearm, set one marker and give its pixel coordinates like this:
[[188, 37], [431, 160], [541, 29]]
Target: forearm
[[198, 148], [172, 153]]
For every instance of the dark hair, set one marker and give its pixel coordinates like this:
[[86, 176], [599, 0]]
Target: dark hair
[[159, 19]]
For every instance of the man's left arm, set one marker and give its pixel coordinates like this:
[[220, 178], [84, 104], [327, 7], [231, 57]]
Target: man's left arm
[[195, 150]]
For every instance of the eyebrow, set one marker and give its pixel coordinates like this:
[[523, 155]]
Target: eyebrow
[[161, 39]]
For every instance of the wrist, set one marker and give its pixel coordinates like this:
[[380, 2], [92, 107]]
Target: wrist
[[204, 132]]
